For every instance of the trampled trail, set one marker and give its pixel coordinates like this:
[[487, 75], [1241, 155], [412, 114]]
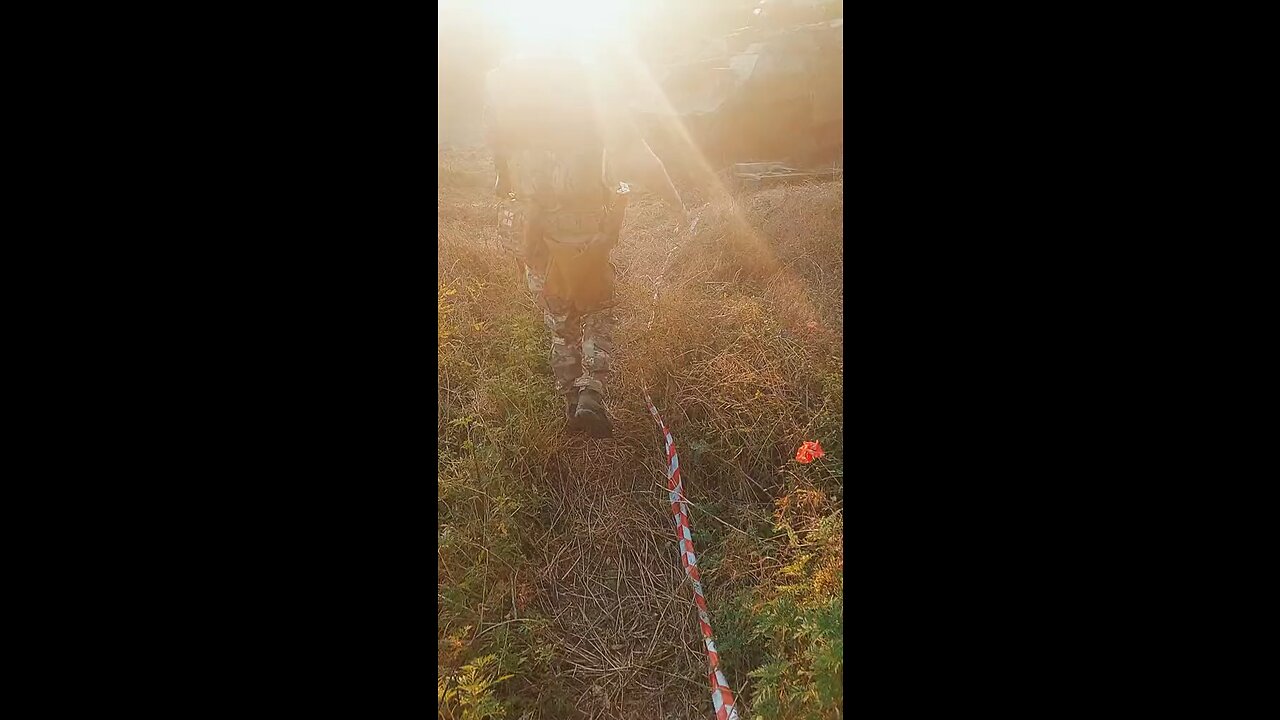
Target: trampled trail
[[622, 612], [623, 622]]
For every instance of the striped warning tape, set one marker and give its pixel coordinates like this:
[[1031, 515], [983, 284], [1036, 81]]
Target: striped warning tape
[[721, 695]]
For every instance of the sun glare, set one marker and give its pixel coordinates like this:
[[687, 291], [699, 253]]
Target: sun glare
[[558, 25]]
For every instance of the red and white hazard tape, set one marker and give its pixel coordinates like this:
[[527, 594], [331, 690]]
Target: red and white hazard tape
[[721, 695]]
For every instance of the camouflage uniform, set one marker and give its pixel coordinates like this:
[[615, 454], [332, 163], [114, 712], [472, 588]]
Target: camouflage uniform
[[560, 149], [581, 338], [580, 342]]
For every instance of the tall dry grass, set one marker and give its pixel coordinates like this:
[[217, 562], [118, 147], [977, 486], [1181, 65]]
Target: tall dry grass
[[563, 561]]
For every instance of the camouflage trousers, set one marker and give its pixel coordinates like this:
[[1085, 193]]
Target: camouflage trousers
[[580, 342]]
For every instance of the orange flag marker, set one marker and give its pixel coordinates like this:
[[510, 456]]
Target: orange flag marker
[[809, 452]]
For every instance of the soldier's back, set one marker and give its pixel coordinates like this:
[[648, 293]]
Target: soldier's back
[[543, 112]]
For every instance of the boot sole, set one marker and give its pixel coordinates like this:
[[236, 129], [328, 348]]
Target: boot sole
[[594, 424]]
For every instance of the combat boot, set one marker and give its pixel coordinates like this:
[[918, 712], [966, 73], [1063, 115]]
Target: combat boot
[[590, 416]]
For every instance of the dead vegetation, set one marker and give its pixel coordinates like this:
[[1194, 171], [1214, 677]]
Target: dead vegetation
[[557, 555]]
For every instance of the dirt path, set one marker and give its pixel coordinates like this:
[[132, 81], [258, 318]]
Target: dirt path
[[621, 617], [622, 608]]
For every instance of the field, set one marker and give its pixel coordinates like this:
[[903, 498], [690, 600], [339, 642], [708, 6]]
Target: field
[[560, 593]]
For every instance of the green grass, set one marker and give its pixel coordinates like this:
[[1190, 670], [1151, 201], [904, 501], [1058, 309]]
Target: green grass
[[493, 411]]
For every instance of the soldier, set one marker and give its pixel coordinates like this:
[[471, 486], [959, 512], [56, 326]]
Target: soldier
[[563, 143]]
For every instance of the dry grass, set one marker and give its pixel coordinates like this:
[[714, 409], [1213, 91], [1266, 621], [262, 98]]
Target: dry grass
[[577, 589]]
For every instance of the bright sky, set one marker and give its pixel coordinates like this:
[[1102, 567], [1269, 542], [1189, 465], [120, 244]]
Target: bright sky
[[539, 25]]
